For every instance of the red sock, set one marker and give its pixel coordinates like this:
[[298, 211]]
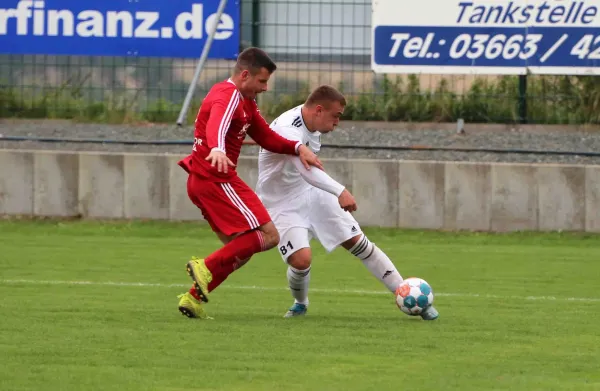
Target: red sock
[[221, 274], [219, 278], [224, 261], [194, 293], [216, 281]]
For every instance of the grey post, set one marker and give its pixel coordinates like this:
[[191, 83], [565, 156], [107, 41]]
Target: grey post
[[200, 65]]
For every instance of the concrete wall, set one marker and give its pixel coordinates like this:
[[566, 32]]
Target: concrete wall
[[430, 195]]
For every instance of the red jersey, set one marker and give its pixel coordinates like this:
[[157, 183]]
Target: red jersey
[[224, 119]]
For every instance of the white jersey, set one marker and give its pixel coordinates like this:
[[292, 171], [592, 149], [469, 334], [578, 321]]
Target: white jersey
[[278, 179]]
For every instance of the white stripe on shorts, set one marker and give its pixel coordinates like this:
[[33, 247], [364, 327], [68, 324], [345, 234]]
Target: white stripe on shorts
[[237, 201]]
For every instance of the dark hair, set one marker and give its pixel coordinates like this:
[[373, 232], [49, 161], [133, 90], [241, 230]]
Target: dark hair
[[253, 59], [325, 94]]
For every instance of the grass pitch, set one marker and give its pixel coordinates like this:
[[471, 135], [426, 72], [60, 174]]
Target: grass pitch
[[92, 306]]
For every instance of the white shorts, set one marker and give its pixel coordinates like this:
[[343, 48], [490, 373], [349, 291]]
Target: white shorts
[[316, 214]]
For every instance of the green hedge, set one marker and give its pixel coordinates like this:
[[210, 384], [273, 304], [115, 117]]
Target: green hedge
[[549, 99]]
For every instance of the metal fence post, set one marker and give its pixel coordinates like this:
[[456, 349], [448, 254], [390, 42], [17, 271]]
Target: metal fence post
[[200, 66], [522, 104]]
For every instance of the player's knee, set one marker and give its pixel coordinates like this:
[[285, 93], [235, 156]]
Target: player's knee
[[301, 259], [348, 244], [271, 240], [270, 236]]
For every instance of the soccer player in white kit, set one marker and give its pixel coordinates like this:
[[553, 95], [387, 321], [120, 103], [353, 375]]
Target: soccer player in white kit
[[307, 204]]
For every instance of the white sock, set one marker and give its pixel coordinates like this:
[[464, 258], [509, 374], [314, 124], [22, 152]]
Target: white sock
[[298, 281], [377, 262]]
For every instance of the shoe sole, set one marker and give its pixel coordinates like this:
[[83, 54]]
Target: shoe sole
[[199, 290], [294, 314], [286, 316], [190, 314], [186, 312], [431, 318]]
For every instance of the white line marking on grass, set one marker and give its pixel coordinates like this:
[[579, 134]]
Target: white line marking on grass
[[319, 290]]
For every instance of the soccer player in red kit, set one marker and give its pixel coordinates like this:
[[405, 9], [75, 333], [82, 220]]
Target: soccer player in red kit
[[234, 212]]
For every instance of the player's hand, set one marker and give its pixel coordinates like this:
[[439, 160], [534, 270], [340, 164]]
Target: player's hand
[[220, 160], [347, 201], [308, 158]]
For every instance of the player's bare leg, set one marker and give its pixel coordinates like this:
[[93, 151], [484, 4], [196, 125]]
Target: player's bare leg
[[380, 266], [298, 275], [228, 258], [270, 235]]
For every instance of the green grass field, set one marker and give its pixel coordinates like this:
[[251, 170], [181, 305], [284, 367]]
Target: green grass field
[[92, 306]]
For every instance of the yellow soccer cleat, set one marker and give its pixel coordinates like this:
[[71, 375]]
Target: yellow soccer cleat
[[196, 268], [191, 307]]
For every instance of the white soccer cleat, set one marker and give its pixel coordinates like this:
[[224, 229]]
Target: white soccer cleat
[[296, 310], [430, 313]]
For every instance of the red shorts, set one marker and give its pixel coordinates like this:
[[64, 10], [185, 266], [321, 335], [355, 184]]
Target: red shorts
[[229, 207]]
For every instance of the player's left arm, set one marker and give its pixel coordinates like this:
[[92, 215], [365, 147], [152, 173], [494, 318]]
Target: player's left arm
[[321, 180], [318, 178], [267, 138]]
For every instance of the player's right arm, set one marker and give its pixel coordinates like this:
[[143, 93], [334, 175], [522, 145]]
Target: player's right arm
[[221, 112]]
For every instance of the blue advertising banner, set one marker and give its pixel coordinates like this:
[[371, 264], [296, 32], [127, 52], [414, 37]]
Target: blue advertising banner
[[145, 28], [486, 36]]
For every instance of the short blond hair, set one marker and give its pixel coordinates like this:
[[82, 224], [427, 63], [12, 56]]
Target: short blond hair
[[325, 94]]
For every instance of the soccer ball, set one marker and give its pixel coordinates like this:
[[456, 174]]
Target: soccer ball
[[414, 295]]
